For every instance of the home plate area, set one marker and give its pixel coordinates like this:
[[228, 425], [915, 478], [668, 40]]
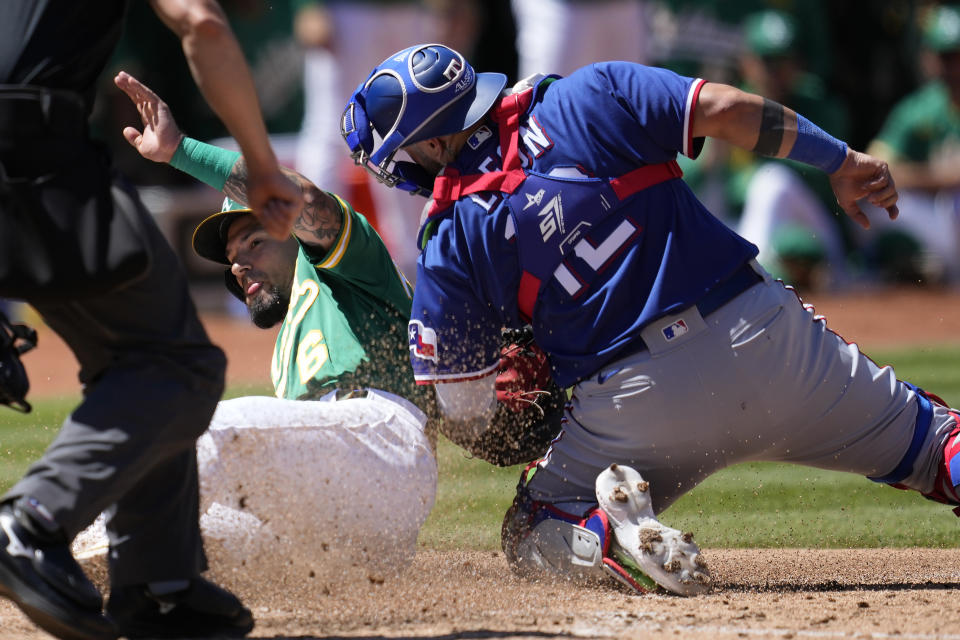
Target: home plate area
[[758, 593]]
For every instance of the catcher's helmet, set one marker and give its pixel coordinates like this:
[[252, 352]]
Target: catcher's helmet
[[424, 91]]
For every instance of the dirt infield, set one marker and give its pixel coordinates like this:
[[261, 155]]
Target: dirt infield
[[786, 593]]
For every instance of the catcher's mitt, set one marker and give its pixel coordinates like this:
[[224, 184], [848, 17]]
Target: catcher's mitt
[[15, 339], [529, 409]]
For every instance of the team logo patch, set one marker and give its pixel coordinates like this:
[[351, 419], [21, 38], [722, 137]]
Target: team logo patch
[[675, 330], [423, 340]]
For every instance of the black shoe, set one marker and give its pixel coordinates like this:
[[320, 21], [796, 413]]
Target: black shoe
[[43, 579], [202, 610]]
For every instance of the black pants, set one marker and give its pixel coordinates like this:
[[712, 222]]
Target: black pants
[[152, 380]]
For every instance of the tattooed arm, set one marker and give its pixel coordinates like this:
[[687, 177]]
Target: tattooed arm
[[744, 119], [161, 140], [320, 219], [770, 129]]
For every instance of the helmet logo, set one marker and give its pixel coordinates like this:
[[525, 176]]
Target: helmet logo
[[418, 93], [454, 69]]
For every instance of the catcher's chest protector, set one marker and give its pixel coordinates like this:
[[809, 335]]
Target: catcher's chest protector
[[551, 213]]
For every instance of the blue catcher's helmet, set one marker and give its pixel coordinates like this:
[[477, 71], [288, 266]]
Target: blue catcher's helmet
[[424, 91]]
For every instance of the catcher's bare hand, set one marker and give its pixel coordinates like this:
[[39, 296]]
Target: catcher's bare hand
[[160, 136], [864, 176]]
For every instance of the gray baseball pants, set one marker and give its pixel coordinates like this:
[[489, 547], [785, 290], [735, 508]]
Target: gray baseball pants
[[152, 380], [759, 379]]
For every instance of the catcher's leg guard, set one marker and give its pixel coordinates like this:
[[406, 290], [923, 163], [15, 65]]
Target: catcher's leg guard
[[669, 557], [539, 539]]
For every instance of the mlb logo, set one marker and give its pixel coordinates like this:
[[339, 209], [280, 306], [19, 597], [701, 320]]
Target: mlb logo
[[675, 330], [423, 340], [479, 137]]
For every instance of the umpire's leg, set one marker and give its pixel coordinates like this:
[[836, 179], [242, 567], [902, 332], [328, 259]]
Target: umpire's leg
[[152, 381]]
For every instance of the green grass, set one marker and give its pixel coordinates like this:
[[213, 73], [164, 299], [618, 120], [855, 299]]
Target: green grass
[[773, 505], [24, 436], [754, 505], [749, 505], [935, 368], [237, 391], [472, 497]]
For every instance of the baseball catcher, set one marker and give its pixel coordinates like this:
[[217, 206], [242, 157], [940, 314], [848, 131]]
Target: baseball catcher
[[560, 205]]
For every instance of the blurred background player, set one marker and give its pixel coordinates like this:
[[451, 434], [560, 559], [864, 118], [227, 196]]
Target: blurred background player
[[559, 36], [266, 37], [343, 39], [921, 140], [787, 208], [721, 40]]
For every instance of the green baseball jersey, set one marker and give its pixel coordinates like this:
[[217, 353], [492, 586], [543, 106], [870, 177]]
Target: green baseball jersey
[[346, 326], [923, 124]]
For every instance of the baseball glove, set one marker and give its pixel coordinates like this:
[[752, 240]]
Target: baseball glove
[[15, 339], [529, 408]]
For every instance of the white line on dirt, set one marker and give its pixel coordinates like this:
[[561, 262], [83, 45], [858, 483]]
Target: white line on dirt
[[615, 625], [716, 631], [713, 631]]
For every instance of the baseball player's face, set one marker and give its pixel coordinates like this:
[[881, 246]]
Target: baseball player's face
[[263, 267], [428, 154]]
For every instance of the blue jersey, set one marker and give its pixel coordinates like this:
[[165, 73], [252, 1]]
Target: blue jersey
[[655, 253]]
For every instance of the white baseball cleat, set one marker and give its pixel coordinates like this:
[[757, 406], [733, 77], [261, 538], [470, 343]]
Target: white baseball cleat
[[671, 558]]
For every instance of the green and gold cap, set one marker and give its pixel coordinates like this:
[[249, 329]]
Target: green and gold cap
[[210, 236]]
